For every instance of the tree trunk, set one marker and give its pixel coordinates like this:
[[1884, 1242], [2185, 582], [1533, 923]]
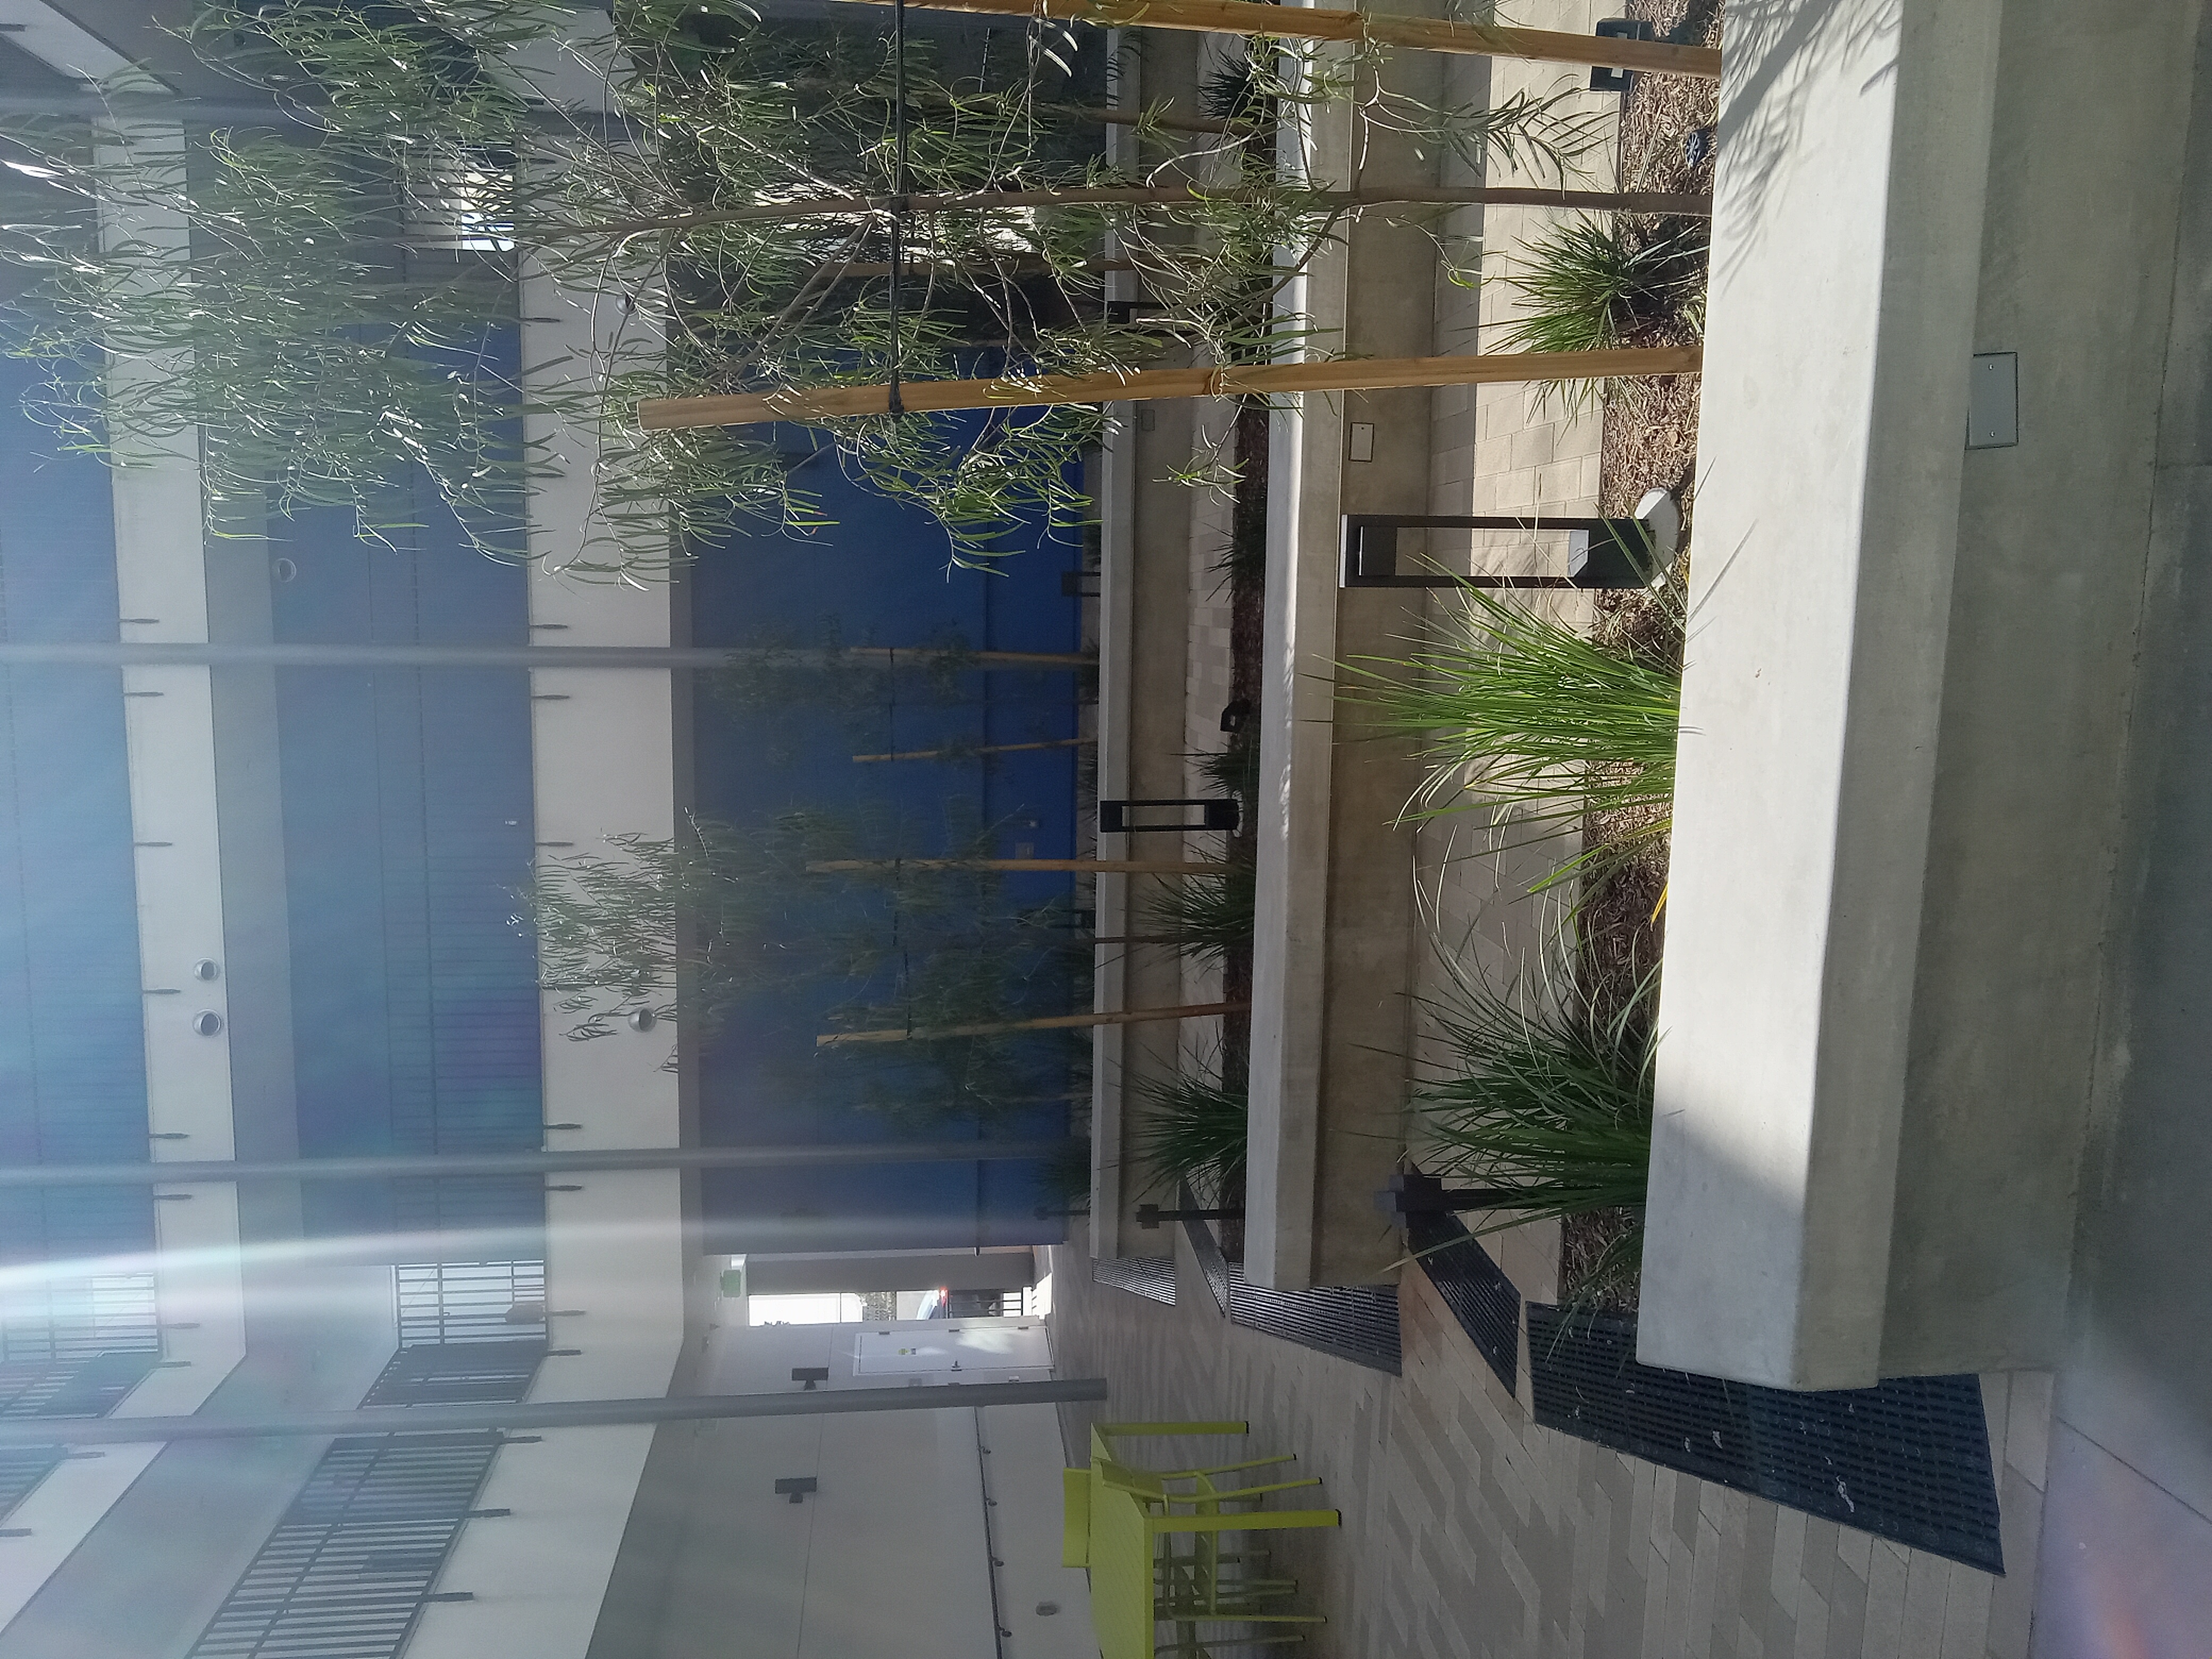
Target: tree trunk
[[1427, 33], [1224, 380], [1052, 1023]]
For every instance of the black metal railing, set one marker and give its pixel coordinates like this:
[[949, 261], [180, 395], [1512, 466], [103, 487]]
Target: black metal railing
[[350, 1568], [458, 1373], [347, 1571], [21, 1468], [90, 1385], [54, 1319], [446, 1303]]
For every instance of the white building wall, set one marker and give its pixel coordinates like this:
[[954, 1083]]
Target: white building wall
[[891, 1557], [169, 734], [604, 759]]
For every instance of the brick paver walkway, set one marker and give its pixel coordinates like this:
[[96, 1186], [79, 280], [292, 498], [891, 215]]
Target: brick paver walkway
[[1470, 1532]]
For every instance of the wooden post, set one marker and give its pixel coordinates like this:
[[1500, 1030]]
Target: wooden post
[[802, 404], [1055, 1023], [1078, 866], [1425, 33]]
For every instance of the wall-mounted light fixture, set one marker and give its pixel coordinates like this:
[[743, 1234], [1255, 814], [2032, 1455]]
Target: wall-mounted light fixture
[[642, 1019], [207, 967], [207, 1021], [795, 1488]]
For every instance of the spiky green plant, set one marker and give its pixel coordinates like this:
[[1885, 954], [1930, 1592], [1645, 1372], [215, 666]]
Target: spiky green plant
[[1191, 1130], [1542, 1100], [1204, 917], [1597, 285], [1513, 709], [1592, 284], [1233, 769]]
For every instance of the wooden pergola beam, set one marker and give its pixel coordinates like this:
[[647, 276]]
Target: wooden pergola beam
[[802, 404], [1299, 22]]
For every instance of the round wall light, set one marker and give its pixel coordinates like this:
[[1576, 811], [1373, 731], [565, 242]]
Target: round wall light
[[207, 1021], [642, 1019], [207, 967]]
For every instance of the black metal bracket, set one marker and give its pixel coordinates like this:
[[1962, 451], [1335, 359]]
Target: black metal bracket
[[1619, 28], [1602, 553], [1150, 1216], [1216, 812], [1414, 1194]]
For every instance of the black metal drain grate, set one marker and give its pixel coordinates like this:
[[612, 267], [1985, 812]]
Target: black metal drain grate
[[1908, 1460], [1358, 1323], [1474, 1287], [1151, 1276], [1208, 1249]]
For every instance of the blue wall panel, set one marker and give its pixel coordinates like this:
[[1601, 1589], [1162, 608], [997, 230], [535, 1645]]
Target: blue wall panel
[[880, 576], [407, 828], [72, 1043]]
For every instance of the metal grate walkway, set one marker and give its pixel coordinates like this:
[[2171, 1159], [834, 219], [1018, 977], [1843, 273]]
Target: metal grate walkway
[[1908, 1460]]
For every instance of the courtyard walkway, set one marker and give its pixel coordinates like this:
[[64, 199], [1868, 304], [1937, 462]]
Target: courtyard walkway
[[1469, 1532]]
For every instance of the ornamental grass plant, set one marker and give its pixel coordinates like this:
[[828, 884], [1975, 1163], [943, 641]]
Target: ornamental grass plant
[[1542, 1098], [1191, 1130], [1514, 710], [1204, 917]]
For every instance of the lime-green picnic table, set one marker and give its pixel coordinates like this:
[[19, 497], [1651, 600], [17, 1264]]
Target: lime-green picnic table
[[1127, 1529]]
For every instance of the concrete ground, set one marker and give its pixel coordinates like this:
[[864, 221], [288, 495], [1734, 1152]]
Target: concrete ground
[[2127, 1550], [1469, 1532]]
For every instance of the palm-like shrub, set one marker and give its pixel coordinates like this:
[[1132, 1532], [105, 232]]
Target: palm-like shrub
[[1598, 285], [1192, 1131], [1594, 285], [1205, 917], [1549, 1103]]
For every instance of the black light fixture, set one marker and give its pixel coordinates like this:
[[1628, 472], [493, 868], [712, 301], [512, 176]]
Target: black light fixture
[[796, 1487], [1116, 817], [810, 1375], [1412, 1193], [1619, 28], [1149, 1216], [207, 1021], [1602, 553]]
